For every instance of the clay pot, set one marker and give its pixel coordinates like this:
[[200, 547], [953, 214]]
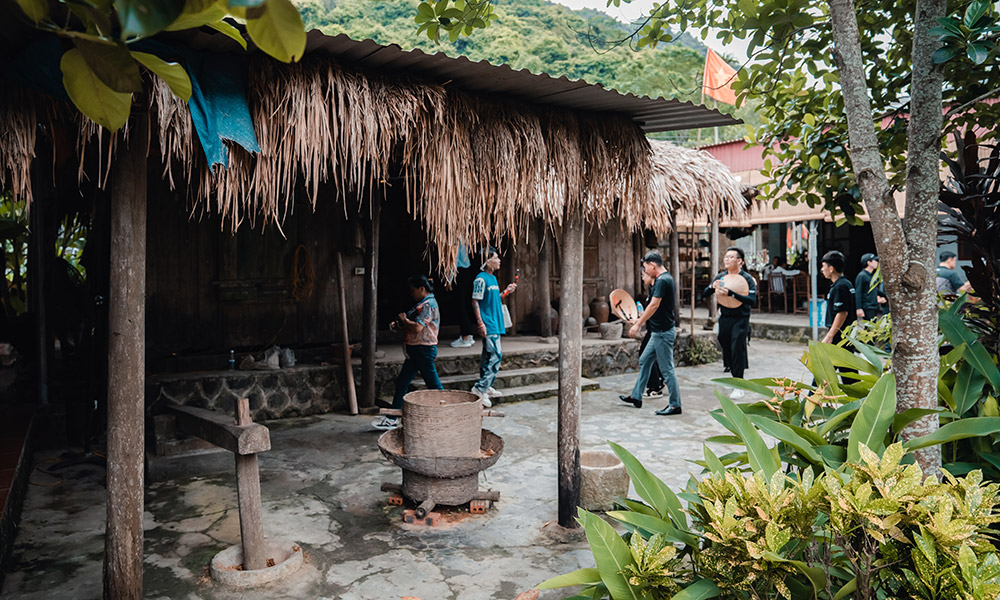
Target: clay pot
[[599, 309]]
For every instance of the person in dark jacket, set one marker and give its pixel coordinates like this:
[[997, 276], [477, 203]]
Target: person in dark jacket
[[734, 323], [868, 301]]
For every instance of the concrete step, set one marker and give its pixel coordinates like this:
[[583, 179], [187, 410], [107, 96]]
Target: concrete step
[[538, 391], [506, 378]]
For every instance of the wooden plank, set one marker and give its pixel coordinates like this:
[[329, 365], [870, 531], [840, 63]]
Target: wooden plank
[[570, 360], [221, 430], [123, 546]]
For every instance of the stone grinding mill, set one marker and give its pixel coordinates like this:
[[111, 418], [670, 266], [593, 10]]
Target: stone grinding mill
[[441, 448]]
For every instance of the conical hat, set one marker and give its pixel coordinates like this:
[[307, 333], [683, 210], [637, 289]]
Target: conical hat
[[735, 283]]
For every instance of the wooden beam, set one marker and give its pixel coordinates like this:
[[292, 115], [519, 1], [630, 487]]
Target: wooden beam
[[544, 280], [675, 268], [370, 319], [248, 492], [220, 429], [570, 362], [714, 248], [123, 545], [352, 398]]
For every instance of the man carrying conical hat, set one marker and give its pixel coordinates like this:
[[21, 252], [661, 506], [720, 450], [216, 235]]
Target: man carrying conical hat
[[736, 293]]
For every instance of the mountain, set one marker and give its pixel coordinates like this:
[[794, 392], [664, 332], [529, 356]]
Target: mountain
[[539, 36]]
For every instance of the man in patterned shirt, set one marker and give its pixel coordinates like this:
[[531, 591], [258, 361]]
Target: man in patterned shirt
[[488, 309]]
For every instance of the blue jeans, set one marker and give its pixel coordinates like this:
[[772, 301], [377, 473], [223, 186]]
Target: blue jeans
[[659, 351], [418, 358], [489, 363]]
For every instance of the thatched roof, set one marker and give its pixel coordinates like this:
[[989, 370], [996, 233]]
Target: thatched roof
[[695, 183], [474, 167]]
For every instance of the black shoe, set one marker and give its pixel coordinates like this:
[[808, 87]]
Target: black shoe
[[669, 410], [725, 370], [631, 400]]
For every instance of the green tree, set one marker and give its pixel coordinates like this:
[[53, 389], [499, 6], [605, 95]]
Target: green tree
[[852, 96], [102, 69]]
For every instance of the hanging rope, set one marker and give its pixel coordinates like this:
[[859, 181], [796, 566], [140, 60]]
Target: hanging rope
[[302, 276]]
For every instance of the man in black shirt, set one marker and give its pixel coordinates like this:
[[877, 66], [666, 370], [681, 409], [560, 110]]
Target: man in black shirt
[[840, 310], [734, 323], [659, 316], [948, 279], [868, 301]]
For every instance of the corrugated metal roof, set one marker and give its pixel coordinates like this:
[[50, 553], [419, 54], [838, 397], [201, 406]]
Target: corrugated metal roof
[[651, 114]]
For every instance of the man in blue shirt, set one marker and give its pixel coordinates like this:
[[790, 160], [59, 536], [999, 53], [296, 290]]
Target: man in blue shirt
[[488, 309]]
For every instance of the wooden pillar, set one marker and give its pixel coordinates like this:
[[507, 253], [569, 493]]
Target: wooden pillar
[[570, 363], [712, 306], [675, 266], [123, 551], [694, 266], [352, 398], [370, 322], [38, 272], [248, 493], [638, 251], [544, 280]]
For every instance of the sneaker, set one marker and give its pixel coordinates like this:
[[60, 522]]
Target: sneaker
[[736, 394], [386, 423], [484, 398], [494, 393], [463, 342], [652, 395]]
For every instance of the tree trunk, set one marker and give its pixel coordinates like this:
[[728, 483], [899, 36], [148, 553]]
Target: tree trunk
[[123, 552], [570, 362], [906, 251]]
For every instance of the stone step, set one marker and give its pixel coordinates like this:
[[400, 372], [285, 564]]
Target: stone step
[[540, 390], [506, 378]]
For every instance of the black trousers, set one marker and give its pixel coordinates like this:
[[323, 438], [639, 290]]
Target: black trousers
[[655, 381], [734, 331]]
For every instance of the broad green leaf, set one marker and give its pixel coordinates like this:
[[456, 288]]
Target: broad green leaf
[[699, 590], [957, 332], [639, 507], [173, 74], [36, 10], [956, 430], [874, 419], [654, 525], [112, 64], [815, 574], [968, 388], [578, 577], [276, 27], [745, 384], [650, 488], [759, 455], [611, 554], [841, 414], [147, 17], [787, 435], [107, 108], [714, 464], [833, 456], [849, 588], [842, 357], [209, 13], [230, 31], [814, 162], [871, 354], [820, 366], [974, 12]]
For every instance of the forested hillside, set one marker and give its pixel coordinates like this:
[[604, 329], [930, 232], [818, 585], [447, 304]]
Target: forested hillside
[[539, 36]]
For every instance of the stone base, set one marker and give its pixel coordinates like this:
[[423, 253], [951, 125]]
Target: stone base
[[602, 480], [227, 566]]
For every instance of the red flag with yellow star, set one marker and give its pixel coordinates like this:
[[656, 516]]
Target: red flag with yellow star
[[719, 79]]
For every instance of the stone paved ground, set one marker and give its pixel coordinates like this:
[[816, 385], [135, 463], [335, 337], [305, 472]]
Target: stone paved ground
[[321, 489]]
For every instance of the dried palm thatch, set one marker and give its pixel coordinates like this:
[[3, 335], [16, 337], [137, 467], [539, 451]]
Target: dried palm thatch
[[472, 168], [694, 182]]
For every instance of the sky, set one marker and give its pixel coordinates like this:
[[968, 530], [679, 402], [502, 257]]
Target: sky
[[638, 8]]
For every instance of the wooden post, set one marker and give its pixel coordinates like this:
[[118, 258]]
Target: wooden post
[[570, 363], [370, 322], [38, 273], [544, 281], [248, 492], [675, 266], [712, 306], [123, 550], [694, 265], [352, 398]]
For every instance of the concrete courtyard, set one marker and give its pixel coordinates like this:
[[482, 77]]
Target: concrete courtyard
[[320, 485]]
